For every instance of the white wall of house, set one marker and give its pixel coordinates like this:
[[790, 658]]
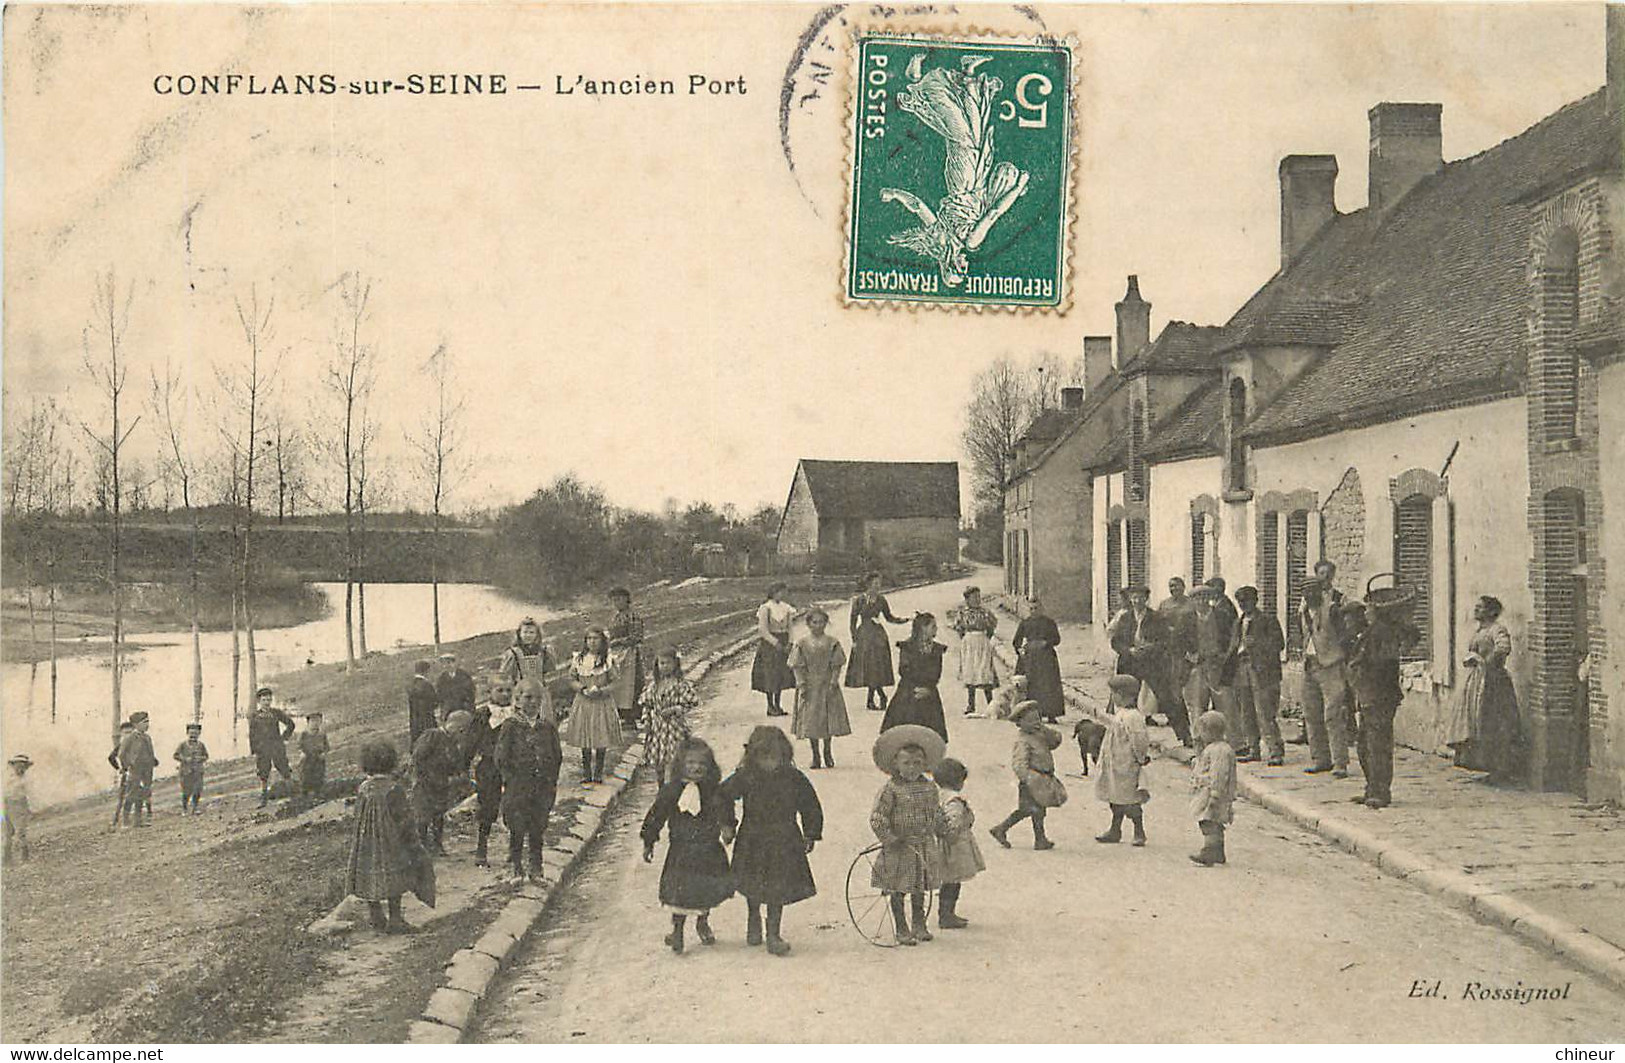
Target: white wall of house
[[1488, 491], [798, 533], [1172, 487]]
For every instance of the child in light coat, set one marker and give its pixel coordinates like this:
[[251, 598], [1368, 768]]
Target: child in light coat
[[1033, 762], [1125, 750], [1213, 785], [961, 858]]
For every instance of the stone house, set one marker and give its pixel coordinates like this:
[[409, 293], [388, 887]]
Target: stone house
[[859, 507], [1423, 390]]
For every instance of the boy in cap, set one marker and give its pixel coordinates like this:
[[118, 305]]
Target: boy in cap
[[191, 755], [1125, 750], [1214, 671], [269, 729], [123, 732], [14, 812], [313, 747], [480, 748], [1033, 762], [1374, 669], [138, 759], [455, 687]]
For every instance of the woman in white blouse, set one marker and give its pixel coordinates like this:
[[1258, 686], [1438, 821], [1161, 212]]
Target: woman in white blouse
[[771, 673]]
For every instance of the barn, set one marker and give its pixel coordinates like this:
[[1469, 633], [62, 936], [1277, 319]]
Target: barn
[[870, 507]]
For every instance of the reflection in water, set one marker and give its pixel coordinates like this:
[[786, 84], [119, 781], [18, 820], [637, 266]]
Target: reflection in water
[[70, 755]]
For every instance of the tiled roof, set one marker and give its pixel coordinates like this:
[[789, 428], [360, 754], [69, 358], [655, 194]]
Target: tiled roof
[[1192, 428], [1047, 425], [883, 490], [1109, 385], [1182, 347], [1424, 304]]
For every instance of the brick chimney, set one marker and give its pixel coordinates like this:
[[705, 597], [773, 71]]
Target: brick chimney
[[1308, 200], [1097, 361], [1072, 399], [1405, 147], [1133, 324]]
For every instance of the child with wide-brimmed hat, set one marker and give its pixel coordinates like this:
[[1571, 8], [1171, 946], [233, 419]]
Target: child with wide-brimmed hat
[[1124, 751], [907, 819], [1033, 762]]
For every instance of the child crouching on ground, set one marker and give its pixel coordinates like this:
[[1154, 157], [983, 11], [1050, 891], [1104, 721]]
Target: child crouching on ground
[[698, 821], [1033, 762], [1125, 750], [907, 819], [1213, 780], [961, 858], [770, 851], [387, 858]]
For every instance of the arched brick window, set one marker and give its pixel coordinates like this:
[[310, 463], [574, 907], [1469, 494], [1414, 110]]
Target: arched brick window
[[1237, 452], [1558, 358]]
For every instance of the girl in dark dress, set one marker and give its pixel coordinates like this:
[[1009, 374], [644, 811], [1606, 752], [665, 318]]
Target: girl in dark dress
[[770, 853], [698, 821], [919, 662], [870, 666], [770, 673], [1035, 642]]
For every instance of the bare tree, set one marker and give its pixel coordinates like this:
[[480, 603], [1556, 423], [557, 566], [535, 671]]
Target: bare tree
[[442, 464], [109, 370], [245, 390], [172, 411], [1051, 373], [367, 477], [288, 453], [998, 412], [349, 381]]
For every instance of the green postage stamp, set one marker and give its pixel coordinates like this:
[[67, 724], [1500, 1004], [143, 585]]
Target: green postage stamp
[[961, 172]]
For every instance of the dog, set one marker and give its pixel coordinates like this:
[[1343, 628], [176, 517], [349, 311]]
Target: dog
[[1090, 735]]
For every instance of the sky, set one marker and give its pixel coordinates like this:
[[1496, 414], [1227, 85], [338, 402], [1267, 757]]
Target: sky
[[642, 290]]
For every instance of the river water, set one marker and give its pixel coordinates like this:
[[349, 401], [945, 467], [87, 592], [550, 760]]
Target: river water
[[70, 752]]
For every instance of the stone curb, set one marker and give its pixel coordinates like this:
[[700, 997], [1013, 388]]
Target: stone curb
[[1575, 944], [469, 975]]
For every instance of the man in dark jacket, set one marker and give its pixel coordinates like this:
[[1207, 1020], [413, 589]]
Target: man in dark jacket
[[1213, 674], [269, 729], [1178, 612], [1141, 639], [422, 702], [138, 760], [1374, 656], [1257, 645], [481, 745], [529, 758], [455, 687]]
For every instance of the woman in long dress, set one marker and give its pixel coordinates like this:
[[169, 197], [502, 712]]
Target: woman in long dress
[[919, 664], [1485, 729], [595, 720], [770, 673], [1035, 642], [975, 627], [626, 646], [870, 666], [820, 713]]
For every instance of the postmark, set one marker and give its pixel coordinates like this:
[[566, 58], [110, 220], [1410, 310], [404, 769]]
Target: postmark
[[960, 177]]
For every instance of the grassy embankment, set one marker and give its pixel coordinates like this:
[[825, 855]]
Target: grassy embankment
[[193, 930]]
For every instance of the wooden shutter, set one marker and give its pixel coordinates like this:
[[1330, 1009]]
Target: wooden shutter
[[1136, 550], [1198, 548], [1114, 564], [1268, 580], [1297, 569], [1413, 567]]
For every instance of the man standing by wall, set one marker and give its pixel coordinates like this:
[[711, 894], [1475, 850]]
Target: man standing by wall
[[1325, 679], [1258, 646], [1178, 614]]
